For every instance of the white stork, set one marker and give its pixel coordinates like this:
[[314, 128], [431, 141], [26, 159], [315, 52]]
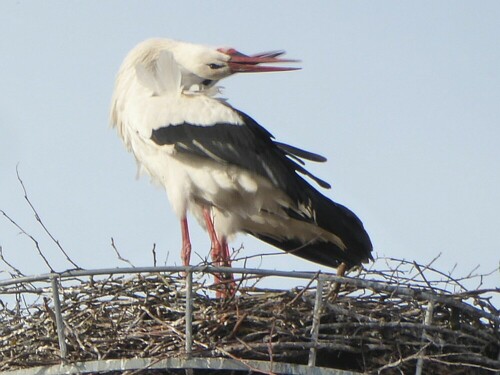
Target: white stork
[[221, 165]]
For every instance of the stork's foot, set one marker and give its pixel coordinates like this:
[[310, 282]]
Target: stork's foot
[[224, 282], [227, 285], [341, 270]]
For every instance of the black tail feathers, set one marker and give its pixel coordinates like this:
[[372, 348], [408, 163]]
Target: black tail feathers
[[338, 220]]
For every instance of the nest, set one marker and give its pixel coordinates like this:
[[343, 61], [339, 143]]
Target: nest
[[380, 322]]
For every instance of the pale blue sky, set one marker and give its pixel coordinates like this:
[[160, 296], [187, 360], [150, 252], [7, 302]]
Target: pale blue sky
[[402, 98]]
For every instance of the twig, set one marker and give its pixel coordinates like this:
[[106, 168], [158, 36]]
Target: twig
[[39, 220], [237, 325], [37, 245], [270, 343], [304, 289], [426, 267], [113, 246], [400, 361], [153, 250], [242, 361], [422, 273], [17, 272]]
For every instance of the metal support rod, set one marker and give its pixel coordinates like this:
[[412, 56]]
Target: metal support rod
[[59, 318], [397, 290], [189, 311], [427, 322], [316, 320]]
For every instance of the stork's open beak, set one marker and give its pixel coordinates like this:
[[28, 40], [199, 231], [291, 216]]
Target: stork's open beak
[[241, 63]]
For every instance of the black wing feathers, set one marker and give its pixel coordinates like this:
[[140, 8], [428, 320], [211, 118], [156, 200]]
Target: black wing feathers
[[253, 148], [299, 153], [248, 146]]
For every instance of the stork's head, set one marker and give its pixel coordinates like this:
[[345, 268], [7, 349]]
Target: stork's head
[[204, 66], [207, 65]]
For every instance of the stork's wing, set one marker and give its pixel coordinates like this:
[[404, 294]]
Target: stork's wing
[[247, 145]]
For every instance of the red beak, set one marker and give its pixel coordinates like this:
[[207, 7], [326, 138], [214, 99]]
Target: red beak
[[241, 63]]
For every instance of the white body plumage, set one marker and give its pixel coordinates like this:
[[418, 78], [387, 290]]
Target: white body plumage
[[149, 95], [209, 156]]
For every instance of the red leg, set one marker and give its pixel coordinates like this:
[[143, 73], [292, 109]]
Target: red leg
[[226, 256], [220, 255], [341, 270], [216, 246], [215, 249], [186, 242], [226, 262]]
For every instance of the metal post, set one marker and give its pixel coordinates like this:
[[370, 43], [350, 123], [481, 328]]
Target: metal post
[[59, 318], [427, 322], [316, 320], [189, 311]]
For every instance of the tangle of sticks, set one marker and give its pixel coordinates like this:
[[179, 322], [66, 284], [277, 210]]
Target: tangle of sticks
[[389, 321]]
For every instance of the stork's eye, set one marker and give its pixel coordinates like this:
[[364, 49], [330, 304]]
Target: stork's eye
[[215, 66]]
